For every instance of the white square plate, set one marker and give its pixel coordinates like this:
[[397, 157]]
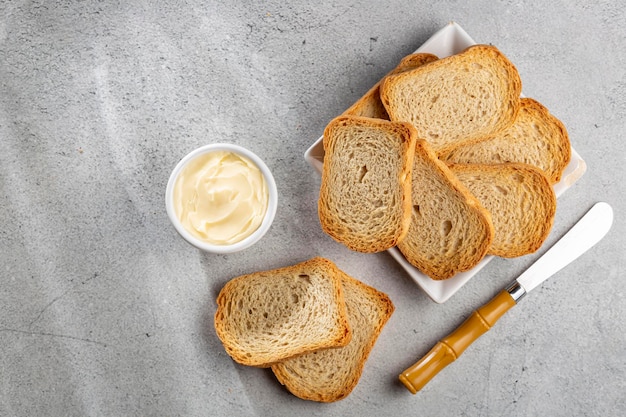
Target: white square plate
[[450, 40]]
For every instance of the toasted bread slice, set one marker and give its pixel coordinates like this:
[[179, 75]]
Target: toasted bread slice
[[536, 138], [519, 198], [365, 194], [456, 100], [267, 317], [450, 230], [370, 105], [331, 374]]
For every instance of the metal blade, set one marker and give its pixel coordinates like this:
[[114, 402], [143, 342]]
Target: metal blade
[[587, 232]]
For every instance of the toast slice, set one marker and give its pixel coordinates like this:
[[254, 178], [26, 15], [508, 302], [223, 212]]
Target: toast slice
[[266, 317], [370, 105], [520, 199], [365, 193], [456, 100], [450, 230], [536, 138], [331, 374]]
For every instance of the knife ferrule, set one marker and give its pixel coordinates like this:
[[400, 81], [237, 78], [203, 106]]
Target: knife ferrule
[[516, 291]]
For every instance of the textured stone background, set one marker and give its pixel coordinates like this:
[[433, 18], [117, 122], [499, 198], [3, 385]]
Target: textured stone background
[[105, 311]]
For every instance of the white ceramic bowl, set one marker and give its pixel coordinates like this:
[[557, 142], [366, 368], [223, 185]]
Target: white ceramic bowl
[[242, 244]]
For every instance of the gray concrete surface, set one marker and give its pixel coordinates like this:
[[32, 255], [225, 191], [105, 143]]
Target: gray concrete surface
[[105, 311]]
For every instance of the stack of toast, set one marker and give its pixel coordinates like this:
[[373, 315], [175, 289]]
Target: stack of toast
[[311, 323], [445, 160]]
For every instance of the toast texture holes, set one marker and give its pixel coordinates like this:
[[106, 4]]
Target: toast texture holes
[[364, 199], [362, 173], [450, 230], [304, 299], [446, 227]]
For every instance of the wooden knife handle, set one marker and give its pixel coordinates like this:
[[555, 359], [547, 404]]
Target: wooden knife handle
[[451, 347]]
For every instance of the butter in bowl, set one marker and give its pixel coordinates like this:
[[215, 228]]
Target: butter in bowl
[[221, 198]]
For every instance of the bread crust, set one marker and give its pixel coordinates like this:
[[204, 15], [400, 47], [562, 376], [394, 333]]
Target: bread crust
[[519, 198], [368, 312], [433, 100], [450, 230], [262, 344], [370, 105], [536, 137], [345, 224]]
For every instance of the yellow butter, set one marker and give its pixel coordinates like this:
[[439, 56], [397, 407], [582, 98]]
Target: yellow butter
[[221, 197]]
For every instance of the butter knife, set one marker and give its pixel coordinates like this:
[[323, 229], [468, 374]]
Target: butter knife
[[582, 236]]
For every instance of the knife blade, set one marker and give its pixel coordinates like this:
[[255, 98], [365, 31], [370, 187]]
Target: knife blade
[[588, 231]]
